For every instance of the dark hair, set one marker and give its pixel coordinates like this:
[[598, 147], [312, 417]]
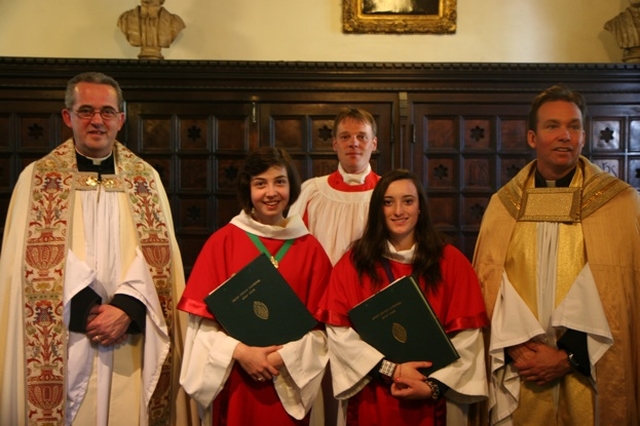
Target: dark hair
[[91, 77], [259, 161], [558, 92], [369, 250], [356, 114]]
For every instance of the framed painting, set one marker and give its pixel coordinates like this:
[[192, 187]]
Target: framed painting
[[399, 16]]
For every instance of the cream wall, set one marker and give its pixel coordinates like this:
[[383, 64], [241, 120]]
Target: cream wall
[[310, 30]]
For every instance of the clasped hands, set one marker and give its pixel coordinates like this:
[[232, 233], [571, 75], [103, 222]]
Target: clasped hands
[[261, 363], [409, 382], [539, 363], [107, 325]]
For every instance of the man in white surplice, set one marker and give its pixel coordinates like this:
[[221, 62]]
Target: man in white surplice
[[89, 274], [334, 207]]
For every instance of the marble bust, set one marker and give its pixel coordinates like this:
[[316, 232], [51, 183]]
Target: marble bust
[[626, 29], [151, 27]]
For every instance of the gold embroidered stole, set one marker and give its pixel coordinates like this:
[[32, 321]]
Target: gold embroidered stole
[[562, 205], [55, 177], [589, 190]]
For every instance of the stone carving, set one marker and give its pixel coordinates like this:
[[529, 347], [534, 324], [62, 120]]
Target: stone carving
[[151, 27], [626, 29]]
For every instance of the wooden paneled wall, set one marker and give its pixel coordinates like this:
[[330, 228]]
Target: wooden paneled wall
[[461, 127]]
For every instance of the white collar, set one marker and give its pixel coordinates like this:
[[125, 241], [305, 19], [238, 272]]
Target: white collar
[[402, 256], [354, 178], [96, 161], [292, 227]]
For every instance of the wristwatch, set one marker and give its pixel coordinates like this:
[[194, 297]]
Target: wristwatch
[[573, 363], [435, 389], [387, 368]]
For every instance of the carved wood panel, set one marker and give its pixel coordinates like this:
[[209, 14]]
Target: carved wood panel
[[197, 149], [304, 130], [466, 151], [461, 127], [613, 140], [28, 130]]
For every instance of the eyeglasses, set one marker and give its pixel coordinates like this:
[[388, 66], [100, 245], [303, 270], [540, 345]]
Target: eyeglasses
[[87, 113]]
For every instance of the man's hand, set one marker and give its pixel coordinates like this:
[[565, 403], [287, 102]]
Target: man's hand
[[539, 363], [107, 325], [520, 353], [256, 361]]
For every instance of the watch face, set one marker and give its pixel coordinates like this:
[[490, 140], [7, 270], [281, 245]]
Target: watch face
[[572, 361], [387, 368]]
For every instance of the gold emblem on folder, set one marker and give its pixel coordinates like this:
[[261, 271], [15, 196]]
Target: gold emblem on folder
[[399, 332], [261, 310]]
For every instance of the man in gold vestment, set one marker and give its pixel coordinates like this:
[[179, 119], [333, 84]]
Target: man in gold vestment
[[558, 257], [90, 273]]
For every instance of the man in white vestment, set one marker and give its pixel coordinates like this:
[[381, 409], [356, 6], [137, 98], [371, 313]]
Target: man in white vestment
[[334, 207], [90, 273]]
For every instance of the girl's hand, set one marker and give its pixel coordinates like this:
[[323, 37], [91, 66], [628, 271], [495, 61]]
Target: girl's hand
[[410, 389], [255, 361]]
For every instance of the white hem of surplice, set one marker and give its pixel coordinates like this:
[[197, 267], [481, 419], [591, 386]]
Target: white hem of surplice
[[137, 283], [513, 323]]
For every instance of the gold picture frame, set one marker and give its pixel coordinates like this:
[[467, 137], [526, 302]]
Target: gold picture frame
[[414, 17]]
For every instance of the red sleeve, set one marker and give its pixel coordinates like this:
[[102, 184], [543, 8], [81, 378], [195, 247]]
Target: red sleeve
[[305, 267], [213, 266], [344, 292], [458, 302]]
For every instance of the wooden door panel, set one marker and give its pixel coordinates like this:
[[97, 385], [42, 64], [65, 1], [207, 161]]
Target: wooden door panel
[[461, 127], [28, 130], [465, 152], [304, 130], [197, 149], [613, 140]]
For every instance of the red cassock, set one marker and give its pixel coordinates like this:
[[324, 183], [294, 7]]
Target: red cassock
[[305, 267], [457, 302]]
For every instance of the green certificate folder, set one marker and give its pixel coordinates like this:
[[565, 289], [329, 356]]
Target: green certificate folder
[[399, 322], [258, 307]]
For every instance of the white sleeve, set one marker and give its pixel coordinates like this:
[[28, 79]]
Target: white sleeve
[[299, 381], [467, 376], [350, 359], [205, 369], [307, 191]]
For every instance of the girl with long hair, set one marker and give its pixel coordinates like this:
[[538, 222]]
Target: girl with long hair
[[398, 240]]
